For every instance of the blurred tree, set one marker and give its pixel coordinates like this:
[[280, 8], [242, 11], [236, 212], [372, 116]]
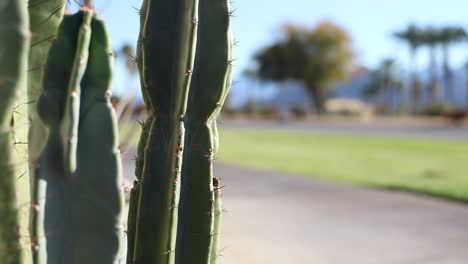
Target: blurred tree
[[448, 36], [384, 83], [318, 58], [128, 54], [413, 36]]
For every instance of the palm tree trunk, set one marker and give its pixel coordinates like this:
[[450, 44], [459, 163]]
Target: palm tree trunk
[[466, 86], [448, 77], [387, 93], [414, 98], [433, 72]]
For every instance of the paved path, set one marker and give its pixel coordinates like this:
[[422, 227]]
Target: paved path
[[398, 128], [278, 219]]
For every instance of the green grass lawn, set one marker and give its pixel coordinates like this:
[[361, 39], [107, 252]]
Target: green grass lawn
[[435, 167]]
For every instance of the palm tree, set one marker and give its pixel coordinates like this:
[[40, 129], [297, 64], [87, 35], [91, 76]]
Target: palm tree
[[431, 37], [384, 83], [466, 85], [448, 36], [412, 35]]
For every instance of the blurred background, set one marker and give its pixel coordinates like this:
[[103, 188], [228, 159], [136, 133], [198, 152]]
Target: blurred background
[[345, 136]]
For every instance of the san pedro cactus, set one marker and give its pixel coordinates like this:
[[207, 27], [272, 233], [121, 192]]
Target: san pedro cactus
[[45, 18], [168, 42], [208, 90], [185, 60], [139, 160], [81, 161], [14, 46]]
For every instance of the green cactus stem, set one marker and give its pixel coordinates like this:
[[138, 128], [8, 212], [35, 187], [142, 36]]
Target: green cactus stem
[[145, 125], [14, 47], [45, 18], [207, 93], [139, 159], [218, 214], [168, 45], [83, 219], [69, 127]]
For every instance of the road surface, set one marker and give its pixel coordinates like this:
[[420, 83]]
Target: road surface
[[395, 128], [274, 218]]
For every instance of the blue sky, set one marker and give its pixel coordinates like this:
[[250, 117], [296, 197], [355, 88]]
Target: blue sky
[[370, 23]]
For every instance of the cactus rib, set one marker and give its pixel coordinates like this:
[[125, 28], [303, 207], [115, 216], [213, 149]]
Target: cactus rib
[[218, 215], [140, 158]]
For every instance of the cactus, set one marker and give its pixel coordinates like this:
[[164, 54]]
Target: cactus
[[45, 18], [83, 221], [14, 47], [218, 214], [182, 109], [167, 46], [139, 159], [207, 93]]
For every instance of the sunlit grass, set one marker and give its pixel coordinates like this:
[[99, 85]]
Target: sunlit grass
[[428, 166]]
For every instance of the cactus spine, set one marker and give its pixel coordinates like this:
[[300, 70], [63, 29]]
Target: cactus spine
[[83, 220], [179, 139], [14, 47]]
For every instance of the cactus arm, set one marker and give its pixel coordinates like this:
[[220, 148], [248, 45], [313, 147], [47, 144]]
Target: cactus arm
[[168, 48], [14, 47], [53, 242], [96, 198], [83, 219], [218, 214], [212, 65], [72, 106]]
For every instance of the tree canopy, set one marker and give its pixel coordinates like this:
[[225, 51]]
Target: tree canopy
[[317, 57]]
